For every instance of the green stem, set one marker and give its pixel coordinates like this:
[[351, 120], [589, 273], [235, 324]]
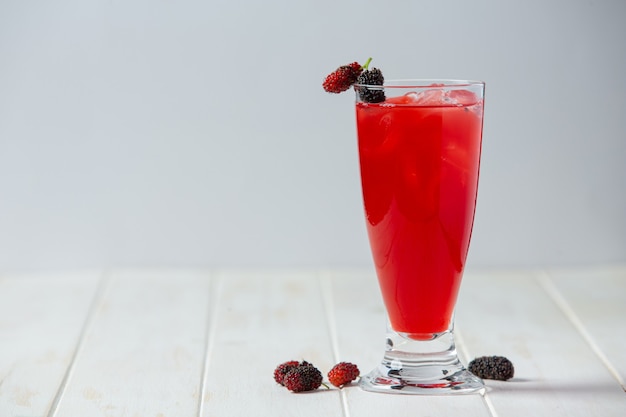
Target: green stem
[[367, 63]]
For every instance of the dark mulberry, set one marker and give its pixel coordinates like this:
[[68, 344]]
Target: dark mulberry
[[304, 377], [366, 80], [492, 367]]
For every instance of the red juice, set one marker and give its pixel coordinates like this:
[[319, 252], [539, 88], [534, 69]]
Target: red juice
[[419, 158]]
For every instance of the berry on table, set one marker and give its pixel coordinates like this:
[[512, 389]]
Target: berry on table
[[343, 373], [304, 377], [492, 367], [282, 370]]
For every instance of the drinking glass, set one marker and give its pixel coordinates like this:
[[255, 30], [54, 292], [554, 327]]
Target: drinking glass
[[419, 153]]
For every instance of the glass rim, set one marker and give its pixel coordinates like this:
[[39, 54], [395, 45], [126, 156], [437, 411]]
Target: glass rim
[[424, 83]]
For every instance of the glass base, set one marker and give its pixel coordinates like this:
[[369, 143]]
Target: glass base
[[429, 367]]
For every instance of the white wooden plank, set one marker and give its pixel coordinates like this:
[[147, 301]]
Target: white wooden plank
[[264, 319], [594, 299], [143, 354], [41, 318], [360, 322], [556, 372]]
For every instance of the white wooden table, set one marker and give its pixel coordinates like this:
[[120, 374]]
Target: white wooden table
[[178, 343]]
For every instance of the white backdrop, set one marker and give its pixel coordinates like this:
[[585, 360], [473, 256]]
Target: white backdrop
[[196, 133]]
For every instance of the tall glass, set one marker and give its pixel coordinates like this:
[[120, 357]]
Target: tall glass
[[419, 152]]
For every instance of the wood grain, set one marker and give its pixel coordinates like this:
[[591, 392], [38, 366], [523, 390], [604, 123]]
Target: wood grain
[[41, 320], [143, 353], [174, 343], [556, 373]]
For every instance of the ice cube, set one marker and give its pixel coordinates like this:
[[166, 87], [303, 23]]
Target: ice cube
[[462, 97], [434, 97], [412, 97]]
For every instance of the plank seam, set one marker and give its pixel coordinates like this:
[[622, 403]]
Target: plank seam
[[215, 289], [460, 344], [553, 292], [329, 310], [96, 302]]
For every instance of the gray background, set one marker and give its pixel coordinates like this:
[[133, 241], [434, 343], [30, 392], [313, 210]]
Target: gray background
[[196, 133]]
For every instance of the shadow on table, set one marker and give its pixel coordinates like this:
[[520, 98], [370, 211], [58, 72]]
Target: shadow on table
[[548, 387]]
